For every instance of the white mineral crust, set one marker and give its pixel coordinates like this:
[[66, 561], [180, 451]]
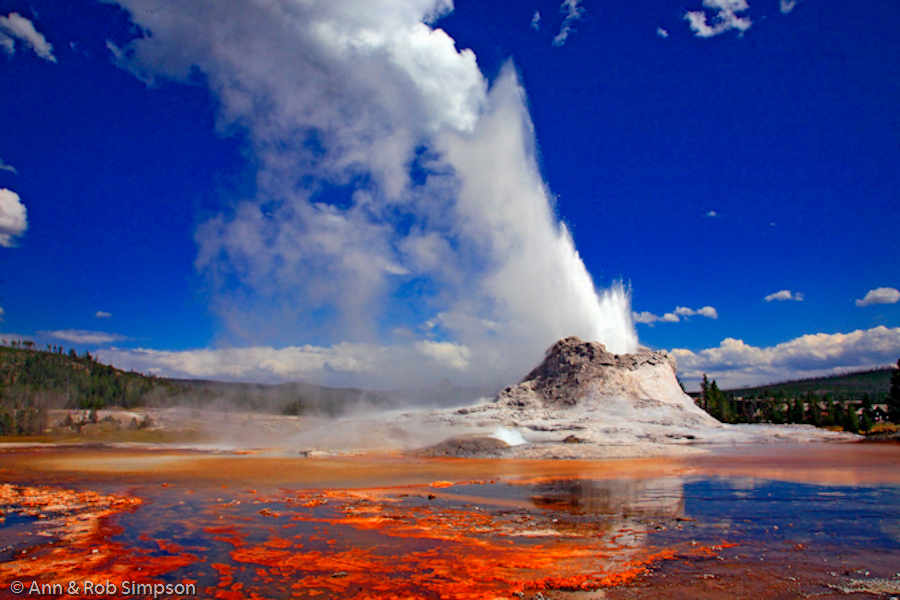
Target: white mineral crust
[[580, 402]]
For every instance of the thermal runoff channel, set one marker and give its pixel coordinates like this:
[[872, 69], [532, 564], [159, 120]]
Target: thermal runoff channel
[[400, 228]]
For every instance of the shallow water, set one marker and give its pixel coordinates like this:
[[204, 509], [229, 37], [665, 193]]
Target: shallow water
[[751, 522]]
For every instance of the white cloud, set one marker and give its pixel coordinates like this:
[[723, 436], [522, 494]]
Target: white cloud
[[645, 317], [573, 13], [536, 21], [15, 26], [448, 353], [352, 93], [711, 214], [7, 43], [735, 363], [708, 312], [883, 295], [725, 17], [103, 315], [374, 366], [662, 32], [6, 167], [13, 218], [294, 363], [785, 295], [649, 318], [788, 5], [2, 314], [80, 336]]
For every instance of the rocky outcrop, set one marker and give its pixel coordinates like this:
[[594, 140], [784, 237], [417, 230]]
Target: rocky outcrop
[[573, 368], [580, 402]]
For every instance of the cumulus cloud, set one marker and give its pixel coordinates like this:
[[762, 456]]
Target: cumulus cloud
[[785, 295], [6, 167], [16, 27], [447, 353], [370, 365], [649, 318], [883, 295], [662, 32], [256, 363], [353, 97], [573, 13], [80, 336], [711, 214], [536, 21], [706, 311], [724, 17], [736, 363], [2, 314], [103, 315], [13, 218]]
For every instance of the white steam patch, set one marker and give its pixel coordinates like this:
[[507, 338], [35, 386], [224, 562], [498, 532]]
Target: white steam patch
[[16, 27], [400, 218], [573, 13], [508, 435], [725, 17]]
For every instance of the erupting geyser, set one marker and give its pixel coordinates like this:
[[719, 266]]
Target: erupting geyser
[[400, 217]]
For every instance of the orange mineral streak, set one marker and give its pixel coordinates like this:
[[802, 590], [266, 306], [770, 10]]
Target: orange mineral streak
[[74, 527], [414, 538], [440, 551]]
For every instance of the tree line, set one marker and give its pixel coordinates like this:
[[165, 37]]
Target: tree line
[[34, 379], [824, 410]]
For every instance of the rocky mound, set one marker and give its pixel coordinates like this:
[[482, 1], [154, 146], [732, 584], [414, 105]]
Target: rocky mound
[[466, 447], [580, 402], [572, 369]]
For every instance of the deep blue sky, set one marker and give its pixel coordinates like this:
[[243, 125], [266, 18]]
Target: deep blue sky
[[704, 172]]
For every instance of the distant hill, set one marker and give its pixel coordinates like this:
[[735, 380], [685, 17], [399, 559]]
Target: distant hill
[[850, 386], [33, 380], [54, 379]]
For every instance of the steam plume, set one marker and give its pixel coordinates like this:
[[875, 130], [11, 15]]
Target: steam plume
[[399, 213]]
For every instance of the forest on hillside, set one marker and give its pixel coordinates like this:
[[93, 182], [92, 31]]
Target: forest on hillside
[[852, 386], [855, 402], [35, 379]]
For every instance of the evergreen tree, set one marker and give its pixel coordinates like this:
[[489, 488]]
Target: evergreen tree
[[717, 403], [829, 414], [893, 401], [750, 406], [778, 412], [866, 423], [813, 416], [868, 408], [850, 420], [704, 390], [796, 411]]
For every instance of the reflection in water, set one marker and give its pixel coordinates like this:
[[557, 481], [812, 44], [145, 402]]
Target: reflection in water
[[657, 497], [472, 538]]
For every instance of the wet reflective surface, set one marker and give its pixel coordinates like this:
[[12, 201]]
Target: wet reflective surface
[[824, 522]]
